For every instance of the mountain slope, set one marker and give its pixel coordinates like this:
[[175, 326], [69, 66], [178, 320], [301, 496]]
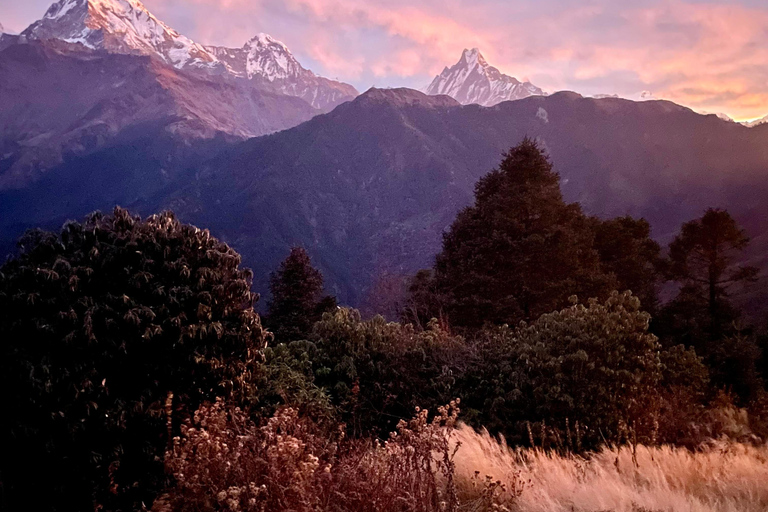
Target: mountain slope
[[58, 99], [473, 80], [126, 26], [369, 188]]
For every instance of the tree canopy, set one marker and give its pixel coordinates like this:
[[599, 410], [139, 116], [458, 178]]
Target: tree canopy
[[106, 325], [520, 251], [297, 297]]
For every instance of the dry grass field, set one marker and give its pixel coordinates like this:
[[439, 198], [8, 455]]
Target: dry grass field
[[723, 477]]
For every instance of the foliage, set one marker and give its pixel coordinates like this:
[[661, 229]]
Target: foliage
[[628, 252], [297, 298], [703, 259], [376, 372], [103, 326], [520, 251], [223, 462], [593, 368]]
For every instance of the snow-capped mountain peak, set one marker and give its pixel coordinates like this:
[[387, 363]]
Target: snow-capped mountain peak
[[124, 26], [271, 59], [473, 80], [756, 122]]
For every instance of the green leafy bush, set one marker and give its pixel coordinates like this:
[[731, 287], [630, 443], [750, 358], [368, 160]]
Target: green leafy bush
[[376, 372], [594, 365]]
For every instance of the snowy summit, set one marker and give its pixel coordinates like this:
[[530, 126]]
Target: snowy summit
[[126, 26], [473, 80]]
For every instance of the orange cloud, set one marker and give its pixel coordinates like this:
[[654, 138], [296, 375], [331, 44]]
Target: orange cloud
[[711, 56]]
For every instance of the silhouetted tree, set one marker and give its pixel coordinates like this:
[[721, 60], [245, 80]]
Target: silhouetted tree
[[424, 301], [297, 298], [105, 327], [703, 259], [520, 251], [628, 252]]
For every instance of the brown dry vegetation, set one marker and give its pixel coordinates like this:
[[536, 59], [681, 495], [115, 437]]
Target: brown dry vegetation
[[724, 476]]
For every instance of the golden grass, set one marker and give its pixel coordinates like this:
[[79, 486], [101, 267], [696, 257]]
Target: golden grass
[[724, 477]]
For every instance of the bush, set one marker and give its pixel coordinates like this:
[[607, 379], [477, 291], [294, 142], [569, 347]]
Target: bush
[[104, 326], [224, 462], [589, 372], [376, 372]]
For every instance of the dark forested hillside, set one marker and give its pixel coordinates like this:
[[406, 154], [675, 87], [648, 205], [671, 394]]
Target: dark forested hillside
[[369, 188]]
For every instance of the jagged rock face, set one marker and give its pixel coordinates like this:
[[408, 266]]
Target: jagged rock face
[[473, 80], [122, 26], [126, 26], [269, 62]]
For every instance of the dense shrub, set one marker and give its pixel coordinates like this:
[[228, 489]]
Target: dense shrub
[[104, 325], [589, 371], [376, 372]]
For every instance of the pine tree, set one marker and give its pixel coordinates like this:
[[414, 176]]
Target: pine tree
[[703, 259], [629, 253], [297, 298], [520, 251]]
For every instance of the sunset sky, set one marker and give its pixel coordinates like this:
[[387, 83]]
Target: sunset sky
[[711, 55]]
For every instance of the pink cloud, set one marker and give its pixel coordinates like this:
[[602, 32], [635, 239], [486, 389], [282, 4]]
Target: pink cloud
[[710, 56]]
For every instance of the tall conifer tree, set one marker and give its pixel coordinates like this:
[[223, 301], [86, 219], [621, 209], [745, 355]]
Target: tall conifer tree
[[520, 251], [297, 297]]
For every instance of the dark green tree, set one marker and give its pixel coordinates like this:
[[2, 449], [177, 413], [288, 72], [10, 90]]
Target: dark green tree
[[297, 300], [106, 327], [520, 251], [703, 258], [628, 252]]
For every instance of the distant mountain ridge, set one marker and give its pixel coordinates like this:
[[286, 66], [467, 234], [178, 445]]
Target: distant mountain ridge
[[126, 26], [473, 80], [370, 187]]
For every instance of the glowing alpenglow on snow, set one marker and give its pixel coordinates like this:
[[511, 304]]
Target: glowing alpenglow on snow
[[126, 26], [473, 80]]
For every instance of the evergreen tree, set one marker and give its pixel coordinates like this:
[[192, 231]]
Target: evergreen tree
[[520, 251], [629, 253], [106, 327], [297, 298], [702, 258]]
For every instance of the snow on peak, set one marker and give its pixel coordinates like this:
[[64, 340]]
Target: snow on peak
[[126, 26], [473, 80], [118, 25], [756, 122], [474, 58]]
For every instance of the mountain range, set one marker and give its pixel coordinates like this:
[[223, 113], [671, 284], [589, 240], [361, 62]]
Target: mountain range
[[103, 104], [370, 187]]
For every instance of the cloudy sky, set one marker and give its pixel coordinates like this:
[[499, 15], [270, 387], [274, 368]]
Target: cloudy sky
[[711, 55]]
